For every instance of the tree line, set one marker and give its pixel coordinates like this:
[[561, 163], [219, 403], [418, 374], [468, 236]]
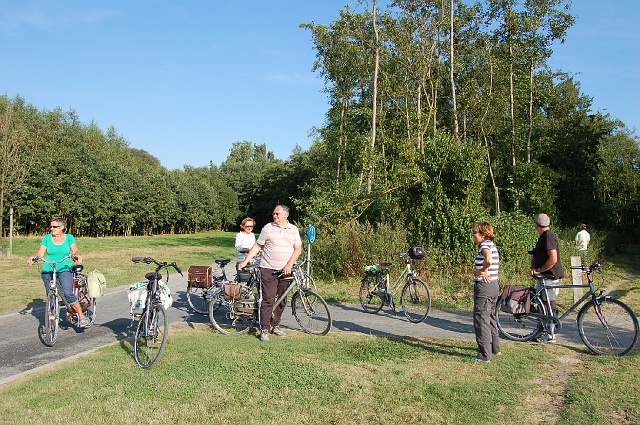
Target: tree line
[[441, 113]]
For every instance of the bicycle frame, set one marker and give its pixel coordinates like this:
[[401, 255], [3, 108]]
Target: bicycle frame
[[557, 321], [407, 272], [295, 283]]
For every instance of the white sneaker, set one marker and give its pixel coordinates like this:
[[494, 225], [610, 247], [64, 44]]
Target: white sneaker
[[264, 336], [277, 331]]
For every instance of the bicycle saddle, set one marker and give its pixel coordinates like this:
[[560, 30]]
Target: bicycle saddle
[[222, 263], [77, 268], [544, 275], [152, 275]]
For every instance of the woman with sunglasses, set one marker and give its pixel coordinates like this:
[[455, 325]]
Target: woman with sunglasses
[[245, 239], [55, 246]]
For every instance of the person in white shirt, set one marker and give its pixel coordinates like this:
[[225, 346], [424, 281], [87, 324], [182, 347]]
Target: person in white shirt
[[582, 242], [245, 239]]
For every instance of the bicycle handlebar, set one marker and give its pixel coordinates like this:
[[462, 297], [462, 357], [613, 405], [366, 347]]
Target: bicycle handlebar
[[595, 266], [160, 264], [37, 258]]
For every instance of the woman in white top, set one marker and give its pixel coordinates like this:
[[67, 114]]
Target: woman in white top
[[245, 239]]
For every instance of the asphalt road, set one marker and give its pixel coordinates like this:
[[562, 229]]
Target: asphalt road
[[23, 352]]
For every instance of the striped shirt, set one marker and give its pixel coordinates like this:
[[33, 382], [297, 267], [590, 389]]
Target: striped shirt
[[277, 244], [495, 260]]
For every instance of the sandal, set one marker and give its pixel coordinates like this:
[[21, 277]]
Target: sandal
[[84, 322]]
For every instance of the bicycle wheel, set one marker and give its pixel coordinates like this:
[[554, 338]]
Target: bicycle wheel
[[521, 327], [311, 312], [415, 300], [608, 327], [371, 294], [198, 299], [151, 336], [51, 320], [233, 317]]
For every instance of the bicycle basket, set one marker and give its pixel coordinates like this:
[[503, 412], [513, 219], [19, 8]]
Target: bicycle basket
[[416, 252]]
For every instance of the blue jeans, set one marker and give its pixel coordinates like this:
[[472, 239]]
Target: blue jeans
[[66, 282]]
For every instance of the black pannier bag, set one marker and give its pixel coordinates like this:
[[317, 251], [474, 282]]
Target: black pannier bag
[[416, 252]]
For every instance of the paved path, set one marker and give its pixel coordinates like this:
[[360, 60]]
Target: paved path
[[22, 352]]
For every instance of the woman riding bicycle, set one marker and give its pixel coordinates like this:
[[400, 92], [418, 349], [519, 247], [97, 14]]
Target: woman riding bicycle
[[54, 247]]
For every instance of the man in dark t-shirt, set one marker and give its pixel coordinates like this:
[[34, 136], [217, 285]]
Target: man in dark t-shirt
[[546, 260]]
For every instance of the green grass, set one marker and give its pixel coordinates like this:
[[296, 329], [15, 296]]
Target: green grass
[[205, 377]]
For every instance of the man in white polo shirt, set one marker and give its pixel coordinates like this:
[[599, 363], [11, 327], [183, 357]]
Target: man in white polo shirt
[[281, 246]]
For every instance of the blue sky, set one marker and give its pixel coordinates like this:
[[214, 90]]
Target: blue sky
[[183, 80]]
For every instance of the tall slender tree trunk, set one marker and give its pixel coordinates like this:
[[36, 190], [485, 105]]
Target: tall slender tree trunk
[[530, 133], [341, 142], [513, 126], [451, 72], [496, 191], [374, 101]]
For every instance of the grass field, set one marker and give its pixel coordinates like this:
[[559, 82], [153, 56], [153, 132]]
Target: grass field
[[205, 377]]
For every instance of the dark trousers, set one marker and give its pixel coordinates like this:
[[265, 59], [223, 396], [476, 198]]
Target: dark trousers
[[270, 287], [485, 296]]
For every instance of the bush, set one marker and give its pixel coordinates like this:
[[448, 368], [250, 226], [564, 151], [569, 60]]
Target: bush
[[345, 249]]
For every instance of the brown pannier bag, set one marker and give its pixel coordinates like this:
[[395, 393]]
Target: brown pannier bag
[[200, 277], [515, 300], [232, 291]]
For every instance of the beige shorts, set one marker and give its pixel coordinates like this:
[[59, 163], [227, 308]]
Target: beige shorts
[[551, 292]]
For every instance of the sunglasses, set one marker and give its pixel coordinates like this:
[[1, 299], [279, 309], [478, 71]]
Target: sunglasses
[[54, 227], [248, 227]]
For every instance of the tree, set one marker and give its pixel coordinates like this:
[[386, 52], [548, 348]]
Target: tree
[[14, 158]]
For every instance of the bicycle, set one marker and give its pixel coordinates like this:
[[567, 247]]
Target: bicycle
[[152, 330], [49, 331], [376, 290], [234, 311], [607, 326], [199, 295]]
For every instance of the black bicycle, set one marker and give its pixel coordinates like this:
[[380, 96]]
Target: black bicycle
[[606, 325], [152, 330]]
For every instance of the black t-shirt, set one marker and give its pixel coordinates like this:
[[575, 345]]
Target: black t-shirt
[[547, 241]]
